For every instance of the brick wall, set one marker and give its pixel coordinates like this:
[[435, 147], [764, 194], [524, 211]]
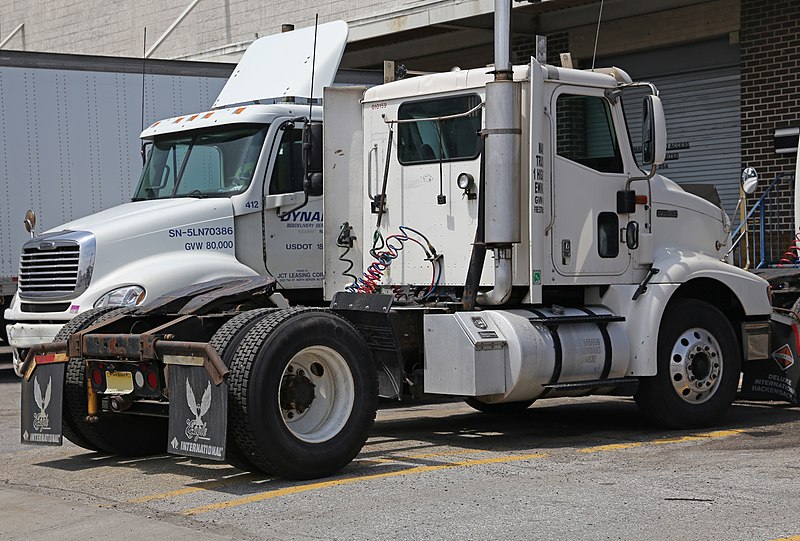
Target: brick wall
[[524, 47], [770, 45], [116, 28], [770, 90]]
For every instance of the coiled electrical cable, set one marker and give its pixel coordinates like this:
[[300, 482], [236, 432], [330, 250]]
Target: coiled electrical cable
[[791, 256], [385, 251]]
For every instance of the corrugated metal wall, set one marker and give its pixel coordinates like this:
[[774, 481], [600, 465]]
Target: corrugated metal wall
[[699, 87]]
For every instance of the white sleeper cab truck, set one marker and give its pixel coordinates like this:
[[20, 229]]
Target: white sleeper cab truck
[[221, 195], [604, 279]]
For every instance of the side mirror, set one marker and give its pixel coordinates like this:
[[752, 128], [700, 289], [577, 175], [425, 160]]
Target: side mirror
[[654, 131], [30, 222], [312, 185], [312, 157], [749, 180], [312, 147]]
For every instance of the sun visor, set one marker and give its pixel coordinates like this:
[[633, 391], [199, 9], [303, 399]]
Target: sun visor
[[279, 66]]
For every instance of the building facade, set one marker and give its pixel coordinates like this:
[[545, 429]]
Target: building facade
[[728, 70]]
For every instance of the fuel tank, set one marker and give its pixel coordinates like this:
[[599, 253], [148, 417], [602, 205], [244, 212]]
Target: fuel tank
[[524, 354]]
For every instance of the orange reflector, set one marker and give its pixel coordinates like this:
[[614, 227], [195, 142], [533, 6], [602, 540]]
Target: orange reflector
[[155, 124], [50, 358], [192, 118], [641, 199], [207, 115], [239, 110], [178, 119]]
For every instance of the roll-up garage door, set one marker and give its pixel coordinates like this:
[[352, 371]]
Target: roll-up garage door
[[702, 106]]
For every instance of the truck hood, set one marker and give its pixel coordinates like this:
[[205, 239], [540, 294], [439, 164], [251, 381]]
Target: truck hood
[[668, 193], [139, 218]]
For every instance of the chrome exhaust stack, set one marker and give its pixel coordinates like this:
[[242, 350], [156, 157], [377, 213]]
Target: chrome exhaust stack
[[502, 151]]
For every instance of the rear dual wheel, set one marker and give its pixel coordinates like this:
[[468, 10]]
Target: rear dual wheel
[[302, 393]]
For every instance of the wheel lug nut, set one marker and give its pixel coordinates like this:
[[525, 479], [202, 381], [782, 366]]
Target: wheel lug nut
[[301, 373], [290, 415], [290, 369]]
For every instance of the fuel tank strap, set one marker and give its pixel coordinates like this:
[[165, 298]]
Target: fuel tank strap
[[559, 354], [606, 344]]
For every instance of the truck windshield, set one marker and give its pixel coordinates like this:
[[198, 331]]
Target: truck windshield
[[216, 162]]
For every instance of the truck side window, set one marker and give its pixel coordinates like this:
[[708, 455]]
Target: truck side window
[[585, 133], [447, 140], [287, 174]]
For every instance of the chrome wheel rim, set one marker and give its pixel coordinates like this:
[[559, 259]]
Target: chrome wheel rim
[[696, 365]]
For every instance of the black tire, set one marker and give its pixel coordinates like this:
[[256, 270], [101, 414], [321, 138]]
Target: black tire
[[3, 334], [502, 408], [698, 368], [224, 343], [78, 323], [112, 433], [277, 415]]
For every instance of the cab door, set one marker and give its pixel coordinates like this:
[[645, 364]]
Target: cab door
[[292, 235], [588, 170]]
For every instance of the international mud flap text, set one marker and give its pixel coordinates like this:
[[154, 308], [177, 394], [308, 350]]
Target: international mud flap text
[[42, 395], [198, 412]]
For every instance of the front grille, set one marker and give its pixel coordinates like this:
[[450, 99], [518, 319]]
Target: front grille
[[56, 266], [49, 272]]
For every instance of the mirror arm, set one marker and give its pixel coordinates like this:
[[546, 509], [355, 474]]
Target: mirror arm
[[650, 175], [298, 207]]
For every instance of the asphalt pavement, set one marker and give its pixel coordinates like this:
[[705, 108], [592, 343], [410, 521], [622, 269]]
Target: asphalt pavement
[[564, 469]]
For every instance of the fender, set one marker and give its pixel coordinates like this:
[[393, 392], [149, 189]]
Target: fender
[[676, 268], [679, 267]]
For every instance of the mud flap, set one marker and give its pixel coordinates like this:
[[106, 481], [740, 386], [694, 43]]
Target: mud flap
[[198, 413], [42, 405], [776, 378]]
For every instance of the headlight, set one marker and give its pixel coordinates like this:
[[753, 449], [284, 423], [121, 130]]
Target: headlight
[[123, 296]]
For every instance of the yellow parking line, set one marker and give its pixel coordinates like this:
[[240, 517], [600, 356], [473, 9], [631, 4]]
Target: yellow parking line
[[682, 439], [208, 485], [792, 538], [433, 455], [611, 447], [349, 480]]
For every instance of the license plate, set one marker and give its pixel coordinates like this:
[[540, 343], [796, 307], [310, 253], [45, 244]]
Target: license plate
[[119, 382]]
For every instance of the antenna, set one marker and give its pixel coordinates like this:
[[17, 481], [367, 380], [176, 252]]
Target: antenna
[[313, 66], [144, 59], [597, 34]]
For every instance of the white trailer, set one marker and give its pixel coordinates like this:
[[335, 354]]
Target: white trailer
[[605, 279], [69, 145], [221, 195]]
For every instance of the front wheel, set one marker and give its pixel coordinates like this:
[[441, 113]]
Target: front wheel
[[303, 393], [698, 367]]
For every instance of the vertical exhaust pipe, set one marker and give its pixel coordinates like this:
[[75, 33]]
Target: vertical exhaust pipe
[[503, 136]]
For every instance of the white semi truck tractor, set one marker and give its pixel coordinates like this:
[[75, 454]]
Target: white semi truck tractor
[[221, 195], [603, 279]]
